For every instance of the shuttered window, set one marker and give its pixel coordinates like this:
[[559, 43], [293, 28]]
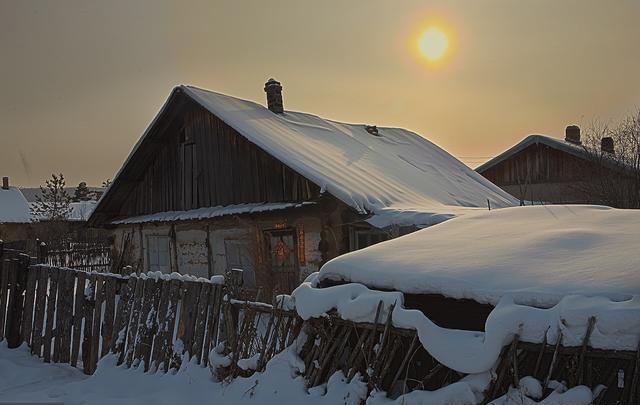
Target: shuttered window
[[158, 253]]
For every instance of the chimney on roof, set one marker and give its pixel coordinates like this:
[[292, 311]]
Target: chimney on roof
[[5, 183], [273, 88], [572, 134], [606, 144]]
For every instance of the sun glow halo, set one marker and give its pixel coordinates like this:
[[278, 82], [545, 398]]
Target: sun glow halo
[[433, 44]]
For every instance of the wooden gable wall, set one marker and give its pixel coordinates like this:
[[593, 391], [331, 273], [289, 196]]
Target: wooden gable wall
[[202, 162], [536, 164]]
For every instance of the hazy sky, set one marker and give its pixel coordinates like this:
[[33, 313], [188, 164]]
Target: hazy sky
[[81, 80]]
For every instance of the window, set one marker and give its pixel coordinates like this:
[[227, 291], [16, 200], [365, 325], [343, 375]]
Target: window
[[158, 253], [361, 238]]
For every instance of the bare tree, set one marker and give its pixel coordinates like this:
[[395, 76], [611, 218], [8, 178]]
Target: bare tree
[[53, 202], [615, 150]]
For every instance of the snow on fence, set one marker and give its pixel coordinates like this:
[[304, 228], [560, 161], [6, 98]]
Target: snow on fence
[[151, 320]]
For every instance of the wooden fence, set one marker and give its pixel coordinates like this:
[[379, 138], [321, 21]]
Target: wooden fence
[[77, 317], [393, 360], [88, 254]]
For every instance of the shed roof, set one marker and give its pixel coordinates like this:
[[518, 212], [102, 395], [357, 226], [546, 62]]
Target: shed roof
[[536, 254]]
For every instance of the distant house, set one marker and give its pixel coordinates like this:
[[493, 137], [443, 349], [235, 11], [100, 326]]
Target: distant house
[[17, 221], [541, 169], [217, 183], [15, 215]]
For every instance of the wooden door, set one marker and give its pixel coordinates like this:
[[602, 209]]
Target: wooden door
[[283, 260]]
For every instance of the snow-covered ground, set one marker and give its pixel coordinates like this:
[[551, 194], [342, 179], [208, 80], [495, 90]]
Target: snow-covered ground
[[25, 378]]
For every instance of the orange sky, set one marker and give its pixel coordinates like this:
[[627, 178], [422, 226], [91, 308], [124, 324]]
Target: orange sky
[[82, 79]]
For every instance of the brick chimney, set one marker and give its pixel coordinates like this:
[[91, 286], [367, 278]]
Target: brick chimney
[[606, 144], [5, 183], [572, 134], [273, 88]]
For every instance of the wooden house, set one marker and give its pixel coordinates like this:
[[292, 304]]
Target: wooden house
[[542, 169], [217, 183]]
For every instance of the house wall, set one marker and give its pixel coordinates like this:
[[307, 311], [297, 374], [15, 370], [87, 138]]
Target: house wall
[[202, 247]]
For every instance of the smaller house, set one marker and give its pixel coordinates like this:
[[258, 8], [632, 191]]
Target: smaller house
[[19, 225], [15, 215], [542, 169]]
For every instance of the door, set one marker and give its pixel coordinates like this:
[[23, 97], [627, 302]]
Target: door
[[282, 259]]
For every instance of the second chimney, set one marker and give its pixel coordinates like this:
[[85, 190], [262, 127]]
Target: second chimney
[[606, 144], [572, 134], [5, 183], [273, 88]]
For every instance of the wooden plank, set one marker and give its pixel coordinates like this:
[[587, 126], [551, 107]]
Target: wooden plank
[[4, 296], [121, 323], [40, 304], [175, 292], [78, 316], [134, 321], [66, 315], [108, 318], [200, 321], [157, 357], [97, 321], [51, 310], [189, 311], [147, 319], [88, 335], [212, 319], [29, 297]]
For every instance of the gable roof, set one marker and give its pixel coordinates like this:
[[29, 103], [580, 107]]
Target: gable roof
[[14, 208], [579, 151], [398, 177]]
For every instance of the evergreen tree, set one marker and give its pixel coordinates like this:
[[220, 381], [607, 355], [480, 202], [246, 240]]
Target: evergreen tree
[[81, 193], [53, 202]]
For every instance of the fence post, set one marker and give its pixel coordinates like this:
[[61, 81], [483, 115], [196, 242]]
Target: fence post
[[41, 250], [18, 279]]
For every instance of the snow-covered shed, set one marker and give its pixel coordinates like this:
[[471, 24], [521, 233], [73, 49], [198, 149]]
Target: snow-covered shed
[[217, 182], [562, 283]]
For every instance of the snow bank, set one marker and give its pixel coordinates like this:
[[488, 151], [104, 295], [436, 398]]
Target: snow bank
[[395, 176], [14, 208], [210, 212], [617, 323], [537, 255]]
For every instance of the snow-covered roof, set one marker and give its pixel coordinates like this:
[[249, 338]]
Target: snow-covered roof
[[578, 150], [210, 212], [13, 206], [535, 254], [398, 176], [78, 211]]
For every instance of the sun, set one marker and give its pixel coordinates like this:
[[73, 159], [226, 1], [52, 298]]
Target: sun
[[433, 44]]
